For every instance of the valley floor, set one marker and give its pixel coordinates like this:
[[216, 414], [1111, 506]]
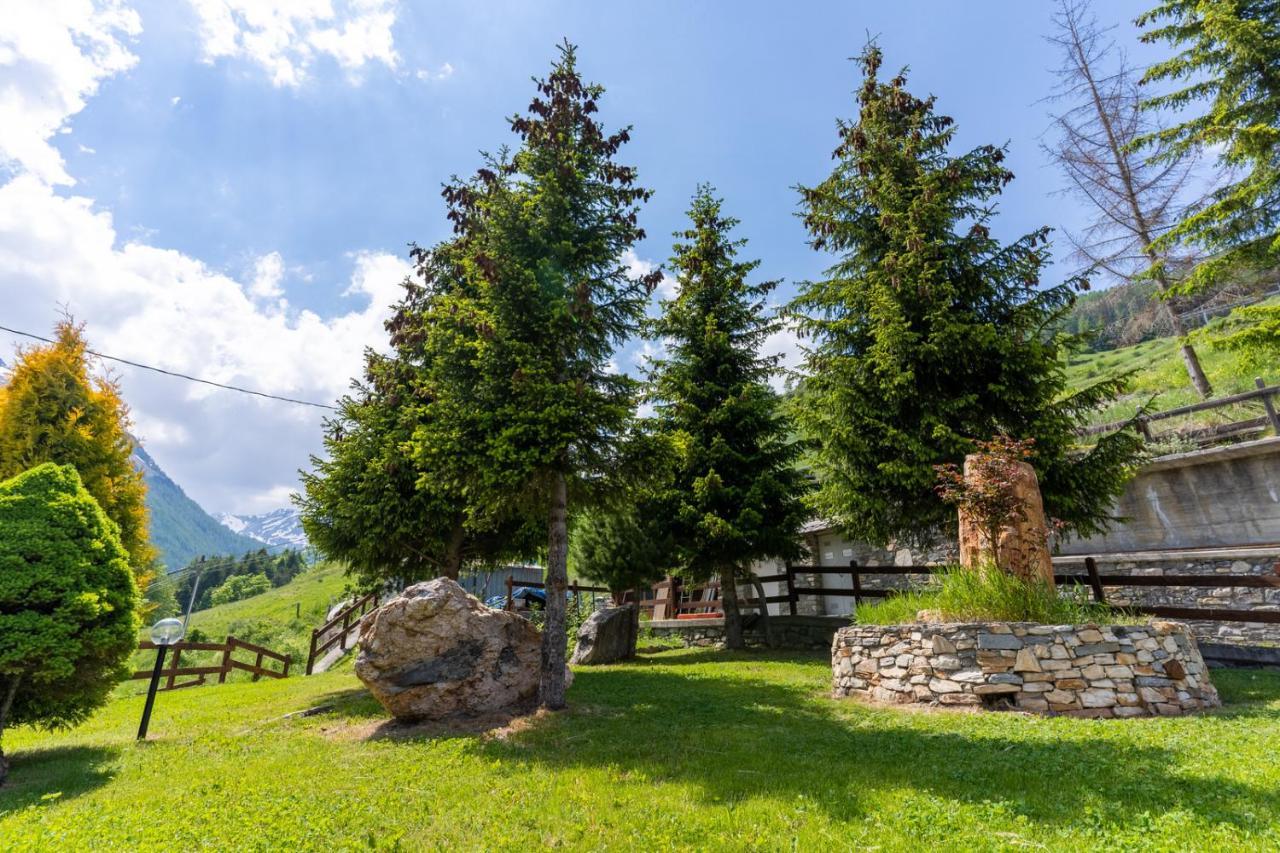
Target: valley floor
[[677, 750]]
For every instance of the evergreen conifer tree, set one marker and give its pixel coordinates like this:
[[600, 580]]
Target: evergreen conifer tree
[[53, 409], [929, 334], [540, 239], [1227, 69], [736, 495]]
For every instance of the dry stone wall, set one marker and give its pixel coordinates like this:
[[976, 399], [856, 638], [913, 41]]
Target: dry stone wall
[[1083, 671]]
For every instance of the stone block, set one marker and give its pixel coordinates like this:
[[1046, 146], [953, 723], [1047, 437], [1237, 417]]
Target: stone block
[[1033, 703], [1089, 635], [959, 699], [1071, 684], [1121, 672], [968, 676], [1093, 672], [988, 641], [942, 686], [1060, 697], [1097, 698], [1026, 661], [942, 645], [997, 689]]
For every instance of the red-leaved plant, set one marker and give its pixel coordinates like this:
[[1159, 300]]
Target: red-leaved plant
[[988, 494]]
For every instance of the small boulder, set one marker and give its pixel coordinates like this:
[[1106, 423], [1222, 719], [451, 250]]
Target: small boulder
[[434, 651], [608, 635]]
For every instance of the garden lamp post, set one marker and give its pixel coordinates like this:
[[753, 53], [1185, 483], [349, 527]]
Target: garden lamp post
[[165, 633]]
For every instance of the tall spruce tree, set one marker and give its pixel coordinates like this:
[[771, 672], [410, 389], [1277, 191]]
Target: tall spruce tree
[[391, 496], [928, 334], [541, 236], [1227, 69], [737, 495]]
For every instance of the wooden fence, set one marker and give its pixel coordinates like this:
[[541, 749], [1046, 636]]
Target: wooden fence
[[173, 669], [671, 599], [335, 631], [1208, 435]]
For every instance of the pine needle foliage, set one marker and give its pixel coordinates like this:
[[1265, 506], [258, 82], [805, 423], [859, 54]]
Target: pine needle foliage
[[929, 334], [1226, 74], [736, 494], [541, 235]]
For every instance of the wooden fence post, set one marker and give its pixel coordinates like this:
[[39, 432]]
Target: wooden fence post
[[226, 661], [510, 586], [857, 582], [792, 598], [258, 663], [173, 668], [1091, 566], [311, 655], [1270, 407]]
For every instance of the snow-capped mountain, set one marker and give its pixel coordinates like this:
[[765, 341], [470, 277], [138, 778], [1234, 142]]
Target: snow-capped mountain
[[279, 528]]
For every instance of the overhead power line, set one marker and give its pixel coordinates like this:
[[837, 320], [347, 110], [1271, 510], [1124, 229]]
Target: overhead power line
[[177, 375]]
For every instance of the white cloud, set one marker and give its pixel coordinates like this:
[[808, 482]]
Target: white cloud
[[161, 307], [784, 342], [157, 306], [285, 37], [268, 272], [637, 266], [175, 100], [53, 56], [444, 72]]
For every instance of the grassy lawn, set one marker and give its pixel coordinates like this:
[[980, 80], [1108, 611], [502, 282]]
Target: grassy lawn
[[683, 749]]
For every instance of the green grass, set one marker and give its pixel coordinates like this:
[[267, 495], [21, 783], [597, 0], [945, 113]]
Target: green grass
[[1159, 376], [681, 750], [960, 595]]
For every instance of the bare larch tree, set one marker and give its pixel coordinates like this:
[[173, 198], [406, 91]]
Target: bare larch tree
[[1136, 196]]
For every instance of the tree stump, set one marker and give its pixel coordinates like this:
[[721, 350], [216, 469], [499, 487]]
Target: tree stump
[[1023, 543]]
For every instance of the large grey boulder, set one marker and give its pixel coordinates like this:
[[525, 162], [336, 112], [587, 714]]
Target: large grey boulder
[[608, 635], [434, 651]]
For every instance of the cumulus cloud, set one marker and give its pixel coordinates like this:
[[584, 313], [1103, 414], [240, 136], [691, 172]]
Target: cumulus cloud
[[152, 305], [161, 307], [53, 56], [285, 37]]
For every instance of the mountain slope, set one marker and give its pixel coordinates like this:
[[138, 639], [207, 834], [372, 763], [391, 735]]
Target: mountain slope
[[180, 529], [280, 528]]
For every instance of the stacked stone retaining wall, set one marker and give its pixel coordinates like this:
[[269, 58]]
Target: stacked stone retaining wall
[[1083, 671]]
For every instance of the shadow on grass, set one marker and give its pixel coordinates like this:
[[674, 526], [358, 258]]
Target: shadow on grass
[[51, 775], [736, 737]]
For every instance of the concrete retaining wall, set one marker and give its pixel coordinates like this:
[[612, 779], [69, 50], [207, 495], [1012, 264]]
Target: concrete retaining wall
[[1224, 496]]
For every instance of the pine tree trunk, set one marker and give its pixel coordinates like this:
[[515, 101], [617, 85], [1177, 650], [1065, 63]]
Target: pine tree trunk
[[453, 553], [732, 615], [763, 607], [6, 704], [551, 687]]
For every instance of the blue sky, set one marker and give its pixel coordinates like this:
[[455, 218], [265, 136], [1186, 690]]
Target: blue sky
[[227, 187]]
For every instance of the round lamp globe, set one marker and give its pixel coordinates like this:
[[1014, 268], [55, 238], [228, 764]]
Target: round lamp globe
[[166, 632]]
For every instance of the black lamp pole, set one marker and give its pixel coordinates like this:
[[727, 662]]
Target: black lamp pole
[[151, 691]]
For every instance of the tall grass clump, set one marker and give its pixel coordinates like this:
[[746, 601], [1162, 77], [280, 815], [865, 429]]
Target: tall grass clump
[[988, 595]]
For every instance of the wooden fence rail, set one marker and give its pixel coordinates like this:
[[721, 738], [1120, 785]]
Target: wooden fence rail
[[174, 669], [1261, 392], [669, 597], [335, 631]]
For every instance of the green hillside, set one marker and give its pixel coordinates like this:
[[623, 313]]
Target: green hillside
[[280, 619], [180, 529], [1159, 377]]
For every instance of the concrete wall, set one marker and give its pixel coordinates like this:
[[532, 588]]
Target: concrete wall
[[1220, 497]]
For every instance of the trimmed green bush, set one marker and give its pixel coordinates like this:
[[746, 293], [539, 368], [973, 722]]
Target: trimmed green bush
[[961, 595], [68, 603]]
